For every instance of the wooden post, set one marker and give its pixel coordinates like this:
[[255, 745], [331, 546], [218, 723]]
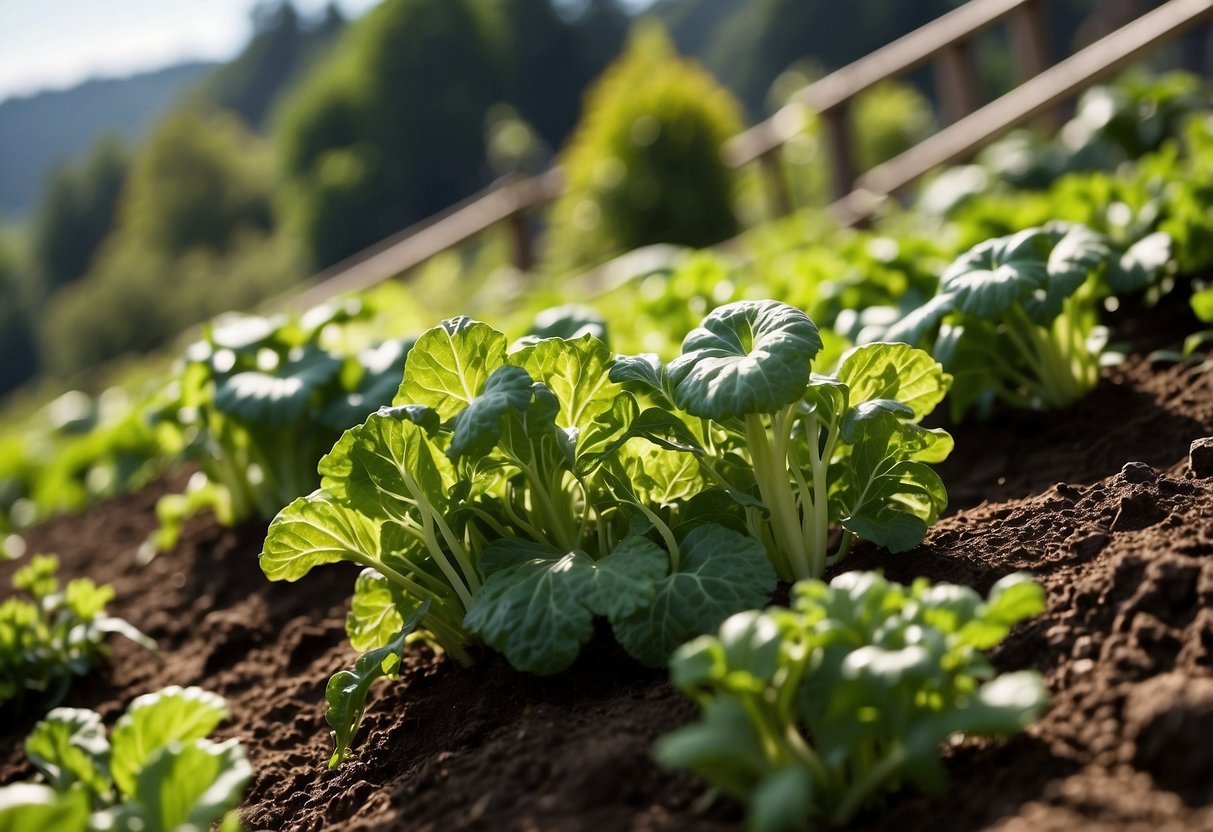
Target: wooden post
[[954, 82], [838, 133], [1030, 50], [780, 200], [522, 242]]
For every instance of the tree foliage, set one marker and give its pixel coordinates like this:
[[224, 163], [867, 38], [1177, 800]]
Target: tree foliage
[[18, 343], [77, 212], [369, 143], [193, 238], [645, 164]]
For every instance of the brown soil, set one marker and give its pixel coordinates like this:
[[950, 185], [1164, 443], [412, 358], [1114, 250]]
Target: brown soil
[[1125, 550]]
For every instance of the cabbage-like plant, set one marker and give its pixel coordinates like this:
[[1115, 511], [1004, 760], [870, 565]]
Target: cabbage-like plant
[[1017, 317], [805, 454]]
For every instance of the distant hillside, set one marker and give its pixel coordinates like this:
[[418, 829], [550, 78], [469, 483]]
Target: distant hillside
[[41, 130]]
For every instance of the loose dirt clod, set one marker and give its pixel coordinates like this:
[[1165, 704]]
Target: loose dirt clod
[[1200, 457]]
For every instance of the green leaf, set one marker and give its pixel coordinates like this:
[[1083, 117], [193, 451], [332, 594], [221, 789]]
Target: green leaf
[[31, 807], [347, 690], [1013, 599], [449, 365], [374, 616], [570, 322], [746, 357], [1202, 305], [153, 721], [381, 368], [279, 398], [1140, 264], [751, 641], [69, 746], [313, 531], [477, 428], [915, 327], [625, 581], [1005, 705], [186, 787], [394, 468], [782, 801], [990, 277], [724, 748], [645, 371], [721, 573], [895, 371], [883, 493], [577, 373], [532, 605]]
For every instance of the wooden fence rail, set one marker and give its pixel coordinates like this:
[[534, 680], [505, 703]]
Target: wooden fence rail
[[945, 43]]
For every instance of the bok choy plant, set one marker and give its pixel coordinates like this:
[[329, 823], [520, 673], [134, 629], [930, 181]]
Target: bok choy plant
[[1017, 317], [259, 401], [56, 636], [812, 713], [484, 507], [155, 772], [802, 453]]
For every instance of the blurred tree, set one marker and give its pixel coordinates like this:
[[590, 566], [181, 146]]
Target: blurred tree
[[77, 211], [18, 341], [645, 164], [388, 129], [283, 46], [199, 179], [552, 58], [193, 238]]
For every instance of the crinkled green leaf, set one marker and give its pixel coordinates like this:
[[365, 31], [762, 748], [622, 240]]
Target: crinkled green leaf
[[69, 746], [155, 720], [986, 280], [661, 477], [394, 467], [625, 581], [347, 690], [883, 494], [532, 605], [374, 616], [746, 357], [721, 573], [187, 787], [895, 371], [278, 398], [477, 428], [578, 374], [645, 371], [313, 531], [449, 365]]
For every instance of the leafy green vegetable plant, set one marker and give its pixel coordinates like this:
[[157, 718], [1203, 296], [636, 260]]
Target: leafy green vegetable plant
[[1017, 317], [499, 500], [812, 713], [155, 772], [803, 454], [56, 636], [260, 400]]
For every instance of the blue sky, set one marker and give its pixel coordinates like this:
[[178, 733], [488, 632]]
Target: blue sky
[[51, 44]]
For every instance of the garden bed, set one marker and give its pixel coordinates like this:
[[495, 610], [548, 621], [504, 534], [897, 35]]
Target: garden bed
[[1126, 646]]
